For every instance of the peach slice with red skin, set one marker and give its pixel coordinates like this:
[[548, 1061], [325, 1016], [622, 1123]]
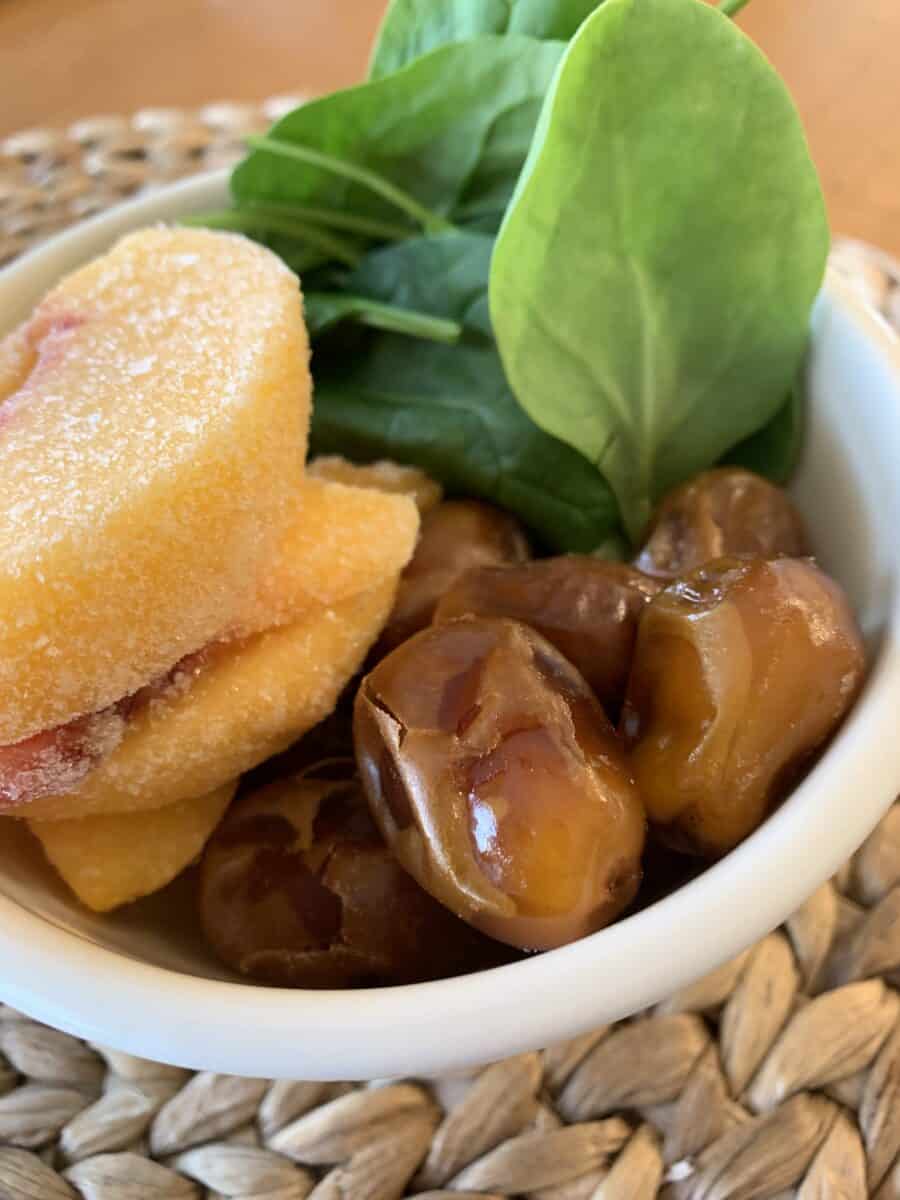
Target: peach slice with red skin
[[27, 355], [344, 542], [250, 700], [153, 422], [57, 759]]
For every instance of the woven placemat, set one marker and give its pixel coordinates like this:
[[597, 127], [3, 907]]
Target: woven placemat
[[776, 1076]]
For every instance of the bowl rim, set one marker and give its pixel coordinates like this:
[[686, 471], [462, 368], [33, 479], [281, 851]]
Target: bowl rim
[[105, 996]]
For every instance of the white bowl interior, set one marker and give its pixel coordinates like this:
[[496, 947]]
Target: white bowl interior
[[97, 976]]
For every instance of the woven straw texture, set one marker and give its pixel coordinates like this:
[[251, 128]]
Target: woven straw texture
[[776, 1076]]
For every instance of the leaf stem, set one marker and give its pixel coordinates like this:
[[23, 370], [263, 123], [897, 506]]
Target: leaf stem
[[367, 227], [257, 221], [431, 222], [388, 317], [731, 7]]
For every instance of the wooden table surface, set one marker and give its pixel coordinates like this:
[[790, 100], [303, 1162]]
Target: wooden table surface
[[63, 59]]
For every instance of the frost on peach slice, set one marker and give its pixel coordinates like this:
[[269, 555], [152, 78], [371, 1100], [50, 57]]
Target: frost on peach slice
[[342, 541], [57, 760], [153, 419], [250, 701], [17, 360], [111, 860], [384, 476]]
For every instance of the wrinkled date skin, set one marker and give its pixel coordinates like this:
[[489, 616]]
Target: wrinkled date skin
[[587, 608], [499, 783], [455, 536], [721, 512], [297, 889], [742, 671]]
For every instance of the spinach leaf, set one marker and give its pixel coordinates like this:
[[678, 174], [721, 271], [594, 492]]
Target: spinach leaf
[[775, 450], [412, 28], [324, 310], [653, 278], [449, 409], [449, 132], [445, 275], [322, 243]]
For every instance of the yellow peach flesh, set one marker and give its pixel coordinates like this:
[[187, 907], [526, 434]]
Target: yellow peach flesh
[[111, 860], [384, 476], [342, 540]]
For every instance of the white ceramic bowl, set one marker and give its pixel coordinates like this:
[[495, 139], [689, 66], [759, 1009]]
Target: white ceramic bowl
[[141, 981]]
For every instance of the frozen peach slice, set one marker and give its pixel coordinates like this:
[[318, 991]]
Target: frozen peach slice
[[248, 701], [58, 759], [384, 476], [108, 861], [153, 418], [342, 541]]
